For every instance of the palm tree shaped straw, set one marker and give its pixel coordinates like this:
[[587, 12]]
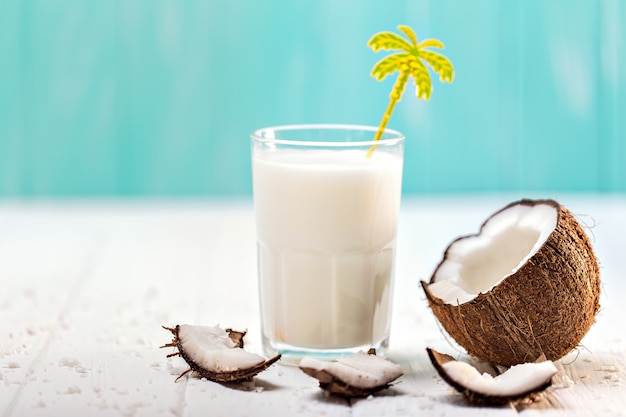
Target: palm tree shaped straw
[[408, 62]]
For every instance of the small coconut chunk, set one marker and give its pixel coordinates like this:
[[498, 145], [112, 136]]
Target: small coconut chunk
[[212, 349], [515, 383], [518, 377], [359, 370], [216, 354], [356, 375]]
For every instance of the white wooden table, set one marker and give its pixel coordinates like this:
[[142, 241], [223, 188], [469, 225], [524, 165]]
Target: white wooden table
[[86, 286]]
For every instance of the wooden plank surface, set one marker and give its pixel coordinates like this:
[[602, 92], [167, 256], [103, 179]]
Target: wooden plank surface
[[86, 287]]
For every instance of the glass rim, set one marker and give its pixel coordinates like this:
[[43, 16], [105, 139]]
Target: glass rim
[[396, 136]]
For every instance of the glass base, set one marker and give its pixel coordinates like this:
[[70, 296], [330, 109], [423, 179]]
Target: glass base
[[291, 355]]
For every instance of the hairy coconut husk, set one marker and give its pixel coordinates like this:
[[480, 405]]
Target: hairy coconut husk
[[545, 307]]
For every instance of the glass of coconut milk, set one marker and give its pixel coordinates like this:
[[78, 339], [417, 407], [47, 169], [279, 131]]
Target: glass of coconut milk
[[326, 217]]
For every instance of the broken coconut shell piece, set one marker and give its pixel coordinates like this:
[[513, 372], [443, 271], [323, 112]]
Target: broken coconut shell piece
[[517, 383], [216, 354], [357, 375], [527, 284]]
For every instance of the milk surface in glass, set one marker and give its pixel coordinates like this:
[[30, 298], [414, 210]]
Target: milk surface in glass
[[326, 229]]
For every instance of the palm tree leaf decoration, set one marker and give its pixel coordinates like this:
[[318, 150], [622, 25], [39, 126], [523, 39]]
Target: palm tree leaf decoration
[[411, 61]]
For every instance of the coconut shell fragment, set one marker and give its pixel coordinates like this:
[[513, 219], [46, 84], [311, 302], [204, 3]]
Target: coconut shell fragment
[[352, 376], [545, 302], [517, 383], [216, 354]]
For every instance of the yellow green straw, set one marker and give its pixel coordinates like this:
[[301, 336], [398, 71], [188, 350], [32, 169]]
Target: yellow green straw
[[408, 62]]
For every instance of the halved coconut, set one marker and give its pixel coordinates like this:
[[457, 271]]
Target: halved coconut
[[528, 284], [216, 354], [516, 383], [356, 375]]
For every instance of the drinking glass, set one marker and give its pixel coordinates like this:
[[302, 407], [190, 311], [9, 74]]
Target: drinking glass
[[326, 201]]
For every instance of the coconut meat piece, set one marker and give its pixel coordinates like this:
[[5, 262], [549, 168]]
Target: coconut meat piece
[[515, 381], [476, 264], [360, 370], [211, 348]]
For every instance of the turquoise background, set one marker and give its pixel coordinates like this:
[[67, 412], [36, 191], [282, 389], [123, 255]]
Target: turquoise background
[[157, 97]]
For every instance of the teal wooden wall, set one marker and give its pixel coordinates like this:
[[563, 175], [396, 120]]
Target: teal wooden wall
[[157, 97]]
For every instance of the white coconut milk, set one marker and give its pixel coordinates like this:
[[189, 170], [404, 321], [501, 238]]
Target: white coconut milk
[[326, 223]]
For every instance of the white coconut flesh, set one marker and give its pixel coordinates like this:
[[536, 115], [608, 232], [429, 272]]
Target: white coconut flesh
[[517, 380], [211, 348], [476, 264], [359, 370]]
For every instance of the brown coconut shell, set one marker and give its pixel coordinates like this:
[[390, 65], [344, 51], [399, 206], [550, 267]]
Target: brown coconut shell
[[546, 307]]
